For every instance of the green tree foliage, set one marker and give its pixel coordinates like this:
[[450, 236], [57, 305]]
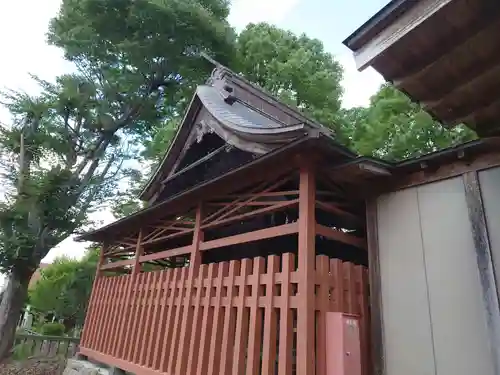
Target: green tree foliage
[[64, 288], [393, 127], [67, 149], [147, 51], [295, 68]]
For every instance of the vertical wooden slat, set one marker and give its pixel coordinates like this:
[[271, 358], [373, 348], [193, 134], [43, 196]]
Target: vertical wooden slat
[[255, 324], [138, 296], [108, 290], [241, 333], [194, 342], [187, 317], [94, 314], [153, 326], [141, 317], [99, 307], [129, 318], [115, 309], [152, 282], [306, 258], [176, 323], [162, 320], [229, 321], [217, 328], [90, 309], [337, 270], [350, 287], [322, 271], [270, 319], [286, 324], [124, 316], [113, 300], [169, 320], [205, 325]]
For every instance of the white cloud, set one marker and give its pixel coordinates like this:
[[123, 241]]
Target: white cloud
[[23, 27], [244, 12], [358, 86]]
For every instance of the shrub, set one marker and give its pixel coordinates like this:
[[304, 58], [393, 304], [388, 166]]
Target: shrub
[[52, 329]]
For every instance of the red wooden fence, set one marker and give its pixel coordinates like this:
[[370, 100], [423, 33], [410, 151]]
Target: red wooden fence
[[235, 317]]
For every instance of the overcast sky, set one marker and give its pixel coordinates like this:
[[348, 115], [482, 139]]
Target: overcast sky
[[23, 24]]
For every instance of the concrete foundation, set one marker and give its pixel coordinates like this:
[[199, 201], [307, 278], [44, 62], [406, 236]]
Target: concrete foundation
[[84, 367]]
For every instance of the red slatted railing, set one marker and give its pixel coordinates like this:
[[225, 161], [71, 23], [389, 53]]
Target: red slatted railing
[[235, 317]]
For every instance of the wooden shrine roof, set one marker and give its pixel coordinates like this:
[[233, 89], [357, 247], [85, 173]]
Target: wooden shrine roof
[[442, 53], [244, 116]]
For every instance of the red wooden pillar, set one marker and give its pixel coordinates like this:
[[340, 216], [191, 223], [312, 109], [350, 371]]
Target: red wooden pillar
[[188, 321], [306, 260], [138, 253]]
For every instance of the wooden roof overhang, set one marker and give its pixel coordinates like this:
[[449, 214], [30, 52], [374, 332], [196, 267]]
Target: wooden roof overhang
[[443, 53], [221, 107], [321, 148]]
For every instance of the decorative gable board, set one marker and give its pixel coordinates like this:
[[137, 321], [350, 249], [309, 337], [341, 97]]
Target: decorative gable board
[[242, 115]]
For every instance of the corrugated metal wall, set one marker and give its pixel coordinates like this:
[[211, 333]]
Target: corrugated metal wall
[[434, 321]]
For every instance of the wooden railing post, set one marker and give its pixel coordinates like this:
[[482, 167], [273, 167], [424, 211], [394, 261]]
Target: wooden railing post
[[306, 260]]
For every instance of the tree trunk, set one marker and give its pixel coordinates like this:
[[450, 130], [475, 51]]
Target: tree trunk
[[14, 296]]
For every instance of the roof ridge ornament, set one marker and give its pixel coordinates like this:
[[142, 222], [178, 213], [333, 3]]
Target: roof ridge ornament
[[217, 75]]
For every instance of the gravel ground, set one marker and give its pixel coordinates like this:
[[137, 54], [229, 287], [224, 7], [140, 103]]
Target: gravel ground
[[34, 366]]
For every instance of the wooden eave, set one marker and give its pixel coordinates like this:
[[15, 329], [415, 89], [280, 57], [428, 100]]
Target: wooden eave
[[443, 54]]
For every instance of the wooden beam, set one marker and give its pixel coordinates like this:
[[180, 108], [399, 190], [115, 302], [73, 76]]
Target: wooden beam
[[280, 230], [337, 235], [166, 254], [270, 194], [196, 163], [484, 263], [167, 237], [306, 269], [472, 33], [480, 75], [376, 318], [478, 114], [448, 170], [410, 20], [333, 209], [240, 202], [248, 215], [119, 264], [469, 106]]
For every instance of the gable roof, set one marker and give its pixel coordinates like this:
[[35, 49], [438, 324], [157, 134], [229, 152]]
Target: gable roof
[[239, 112]]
